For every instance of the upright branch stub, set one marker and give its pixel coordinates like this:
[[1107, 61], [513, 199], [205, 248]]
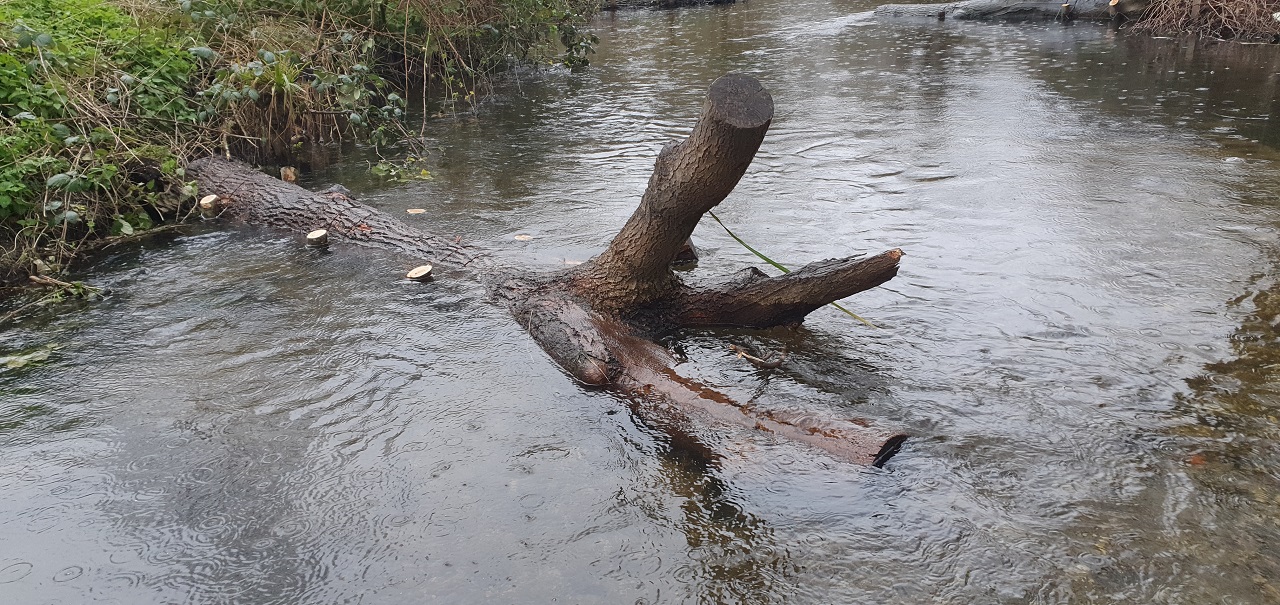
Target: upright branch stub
[[689, 178]]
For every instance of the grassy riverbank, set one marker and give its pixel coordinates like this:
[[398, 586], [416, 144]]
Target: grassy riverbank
[[102, 102]]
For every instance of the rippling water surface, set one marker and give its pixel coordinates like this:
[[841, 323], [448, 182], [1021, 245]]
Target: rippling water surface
[[1082, 339]]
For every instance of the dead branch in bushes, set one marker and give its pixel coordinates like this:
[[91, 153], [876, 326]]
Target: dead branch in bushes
[[1249, 19]]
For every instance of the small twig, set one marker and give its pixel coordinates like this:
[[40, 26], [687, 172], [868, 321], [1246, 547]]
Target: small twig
[[14, 313], [764, 364], [113, 240], [49, 281], [45, 280]]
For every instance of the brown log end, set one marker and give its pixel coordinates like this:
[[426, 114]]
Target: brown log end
[[739, 100]]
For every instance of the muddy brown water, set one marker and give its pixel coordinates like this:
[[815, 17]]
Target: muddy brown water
[[1083, 340]]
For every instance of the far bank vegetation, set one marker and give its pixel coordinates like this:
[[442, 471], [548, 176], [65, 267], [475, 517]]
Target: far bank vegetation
[[1223, 19]]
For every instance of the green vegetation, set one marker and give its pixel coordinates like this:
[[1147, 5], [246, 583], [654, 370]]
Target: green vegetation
[[102, 102]]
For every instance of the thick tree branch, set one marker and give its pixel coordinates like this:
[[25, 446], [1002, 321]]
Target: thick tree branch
[[252, 197], [755, 300], [689, 178]]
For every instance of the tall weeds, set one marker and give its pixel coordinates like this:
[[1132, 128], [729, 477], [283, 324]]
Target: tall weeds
[[102, 102]]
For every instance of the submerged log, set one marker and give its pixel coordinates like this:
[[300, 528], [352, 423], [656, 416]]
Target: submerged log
[[599, 320]]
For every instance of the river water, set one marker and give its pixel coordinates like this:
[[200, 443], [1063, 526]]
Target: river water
[[1082, 341]]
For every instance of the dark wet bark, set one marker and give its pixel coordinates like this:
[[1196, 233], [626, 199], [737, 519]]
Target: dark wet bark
[[598, 320], [755, 300]]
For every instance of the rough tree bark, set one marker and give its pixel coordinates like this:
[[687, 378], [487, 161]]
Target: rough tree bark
[[599, 320]]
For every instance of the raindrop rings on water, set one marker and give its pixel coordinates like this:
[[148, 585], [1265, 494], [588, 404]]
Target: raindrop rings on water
[[215, 523], [292, 528], [68, 574], [14, 572]]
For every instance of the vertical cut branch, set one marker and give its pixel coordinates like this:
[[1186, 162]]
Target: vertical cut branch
[[689, 178]]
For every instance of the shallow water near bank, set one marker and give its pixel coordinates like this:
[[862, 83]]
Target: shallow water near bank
[[1082, 341]]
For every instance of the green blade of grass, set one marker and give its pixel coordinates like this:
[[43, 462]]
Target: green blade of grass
[[779, 266]]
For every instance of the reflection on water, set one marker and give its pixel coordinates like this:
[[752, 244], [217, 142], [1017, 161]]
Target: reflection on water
[[1082, 339]]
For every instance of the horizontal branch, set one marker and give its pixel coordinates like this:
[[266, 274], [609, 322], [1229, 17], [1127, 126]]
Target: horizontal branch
[[753, 299], [248, 195]]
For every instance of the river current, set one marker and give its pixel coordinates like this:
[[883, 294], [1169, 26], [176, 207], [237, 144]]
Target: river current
[[1082, 342]]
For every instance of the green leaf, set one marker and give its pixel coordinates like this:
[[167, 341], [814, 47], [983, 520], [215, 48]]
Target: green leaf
[[14, 362], [204, 52], [125, 227], [58, 181], [43, 40]]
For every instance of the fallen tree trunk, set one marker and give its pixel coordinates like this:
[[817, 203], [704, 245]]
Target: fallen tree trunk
[[1030, 10], [599, 320]]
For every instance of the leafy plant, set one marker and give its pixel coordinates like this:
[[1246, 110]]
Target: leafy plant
[[101, 102], [410, 168]]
